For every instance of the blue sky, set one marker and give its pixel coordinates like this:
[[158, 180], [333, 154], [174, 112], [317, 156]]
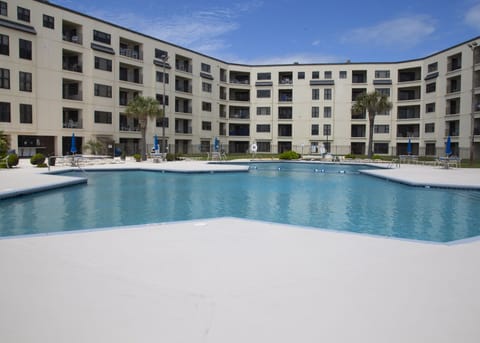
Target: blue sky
[[287, 31]]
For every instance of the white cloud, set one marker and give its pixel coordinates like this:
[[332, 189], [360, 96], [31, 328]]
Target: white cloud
[[472, 17], [202, 30], [402, 32]]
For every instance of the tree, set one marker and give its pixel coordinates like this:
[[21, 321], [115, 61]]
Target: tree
[[372, 103], [4, 144], [143, 108]]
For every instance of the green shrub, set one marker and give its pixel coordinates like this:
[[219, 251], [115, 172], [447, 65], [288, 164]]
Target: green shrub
[[376, 157], [170, 157], [289, 155], [42, 165], [352, 156], [137, 157], [37, 159], [12, 160]]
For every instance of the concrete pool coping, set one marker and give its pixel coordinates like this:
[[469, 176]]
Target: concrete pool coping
[[237, 280]]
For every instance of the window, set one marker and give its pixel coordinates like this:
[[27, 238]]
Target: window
[[25, 49], [382, 74], [301, 75], [264, 76], [101, 37], [4, 78], [161, 77], [5, 112], [315, 129], [25, 81], [263, 111], [342, 74], [429, 127], [327, 112], [206, 87], [380, 148], [103, 117], [103, 90], [315, 94], [263, 93], [160, 53], [432, 67], [23, 14], [263, 127], [103, 64], [26, 114], [315, 74], [381, 129], [327, 130], [206, 106], [327, 94], [431, 87], [48, 21], [327, 75], [206, 68], [4, 45], [429, 108], [3, 8], [207, 125], [160, 99], [315, 111]]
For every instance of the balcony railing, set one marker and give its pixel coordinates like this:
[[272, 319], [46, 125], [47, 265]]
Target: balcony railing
[[68, 37], [183, 67], [69, 96], [131, 128], [75, 124], [135, 54], [239, 115], [186, 131], [72, 67]]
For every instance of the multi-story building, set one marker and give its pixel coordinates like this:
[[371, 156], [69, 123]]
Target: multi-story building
[[64, 72]]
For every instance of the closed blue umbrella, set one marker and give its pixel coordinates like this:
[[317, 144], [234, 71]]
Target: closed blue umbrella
[[448, 147], [216, 144], [155, 143], [73, 147], [409, 147]]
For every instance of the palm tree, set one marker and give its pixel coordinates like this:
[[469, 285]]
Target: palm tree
[[373, 103], [3, 144], [143, 108]]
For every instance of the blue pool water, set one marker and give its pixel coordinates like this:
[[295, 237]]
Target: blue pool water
[[321, 196]]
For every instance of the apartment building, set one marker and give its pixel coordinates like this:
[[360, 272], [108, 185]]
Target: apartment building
[[64, 72]]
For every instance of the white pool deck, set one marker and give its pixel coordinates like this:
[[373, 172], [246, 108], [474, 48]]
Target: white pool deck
[[236, 280]]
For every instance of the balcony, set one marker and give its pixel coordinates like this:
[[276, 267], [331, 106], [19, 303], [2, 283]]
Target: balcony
[[359, 116], [223, 93], [129, 73], [183, 64], [183, 85], [72, 90], [183, 105], [239, 95], [285, 78], [285, 95], [130, 49], [239, 130], [183, 126], [454, 62], [71, 32], [358, 131], [72, 118], [454, 84], [128, 124], [72, 61], [356, 92], [285, 130], [359, 76], [222, 111], [410, 74], [236, 112], [408, 112], [453, 106], [408, 131], [285, 113], [239, 77], [127, 95], [409, 93]]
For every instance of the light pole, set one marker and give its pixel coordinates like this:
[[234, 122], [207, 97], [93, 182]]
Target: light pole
[[473, 46], [164, 60]]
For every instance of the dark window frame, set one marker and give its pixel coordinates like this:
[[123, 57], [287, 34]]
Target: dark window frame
[[102, 37], [101, 90], [4, 78], [102, 117], [25, 49], [104, 64], [48, 21], [5, 112], [25, 81], [26, 113], [23, 14], [4, 45]]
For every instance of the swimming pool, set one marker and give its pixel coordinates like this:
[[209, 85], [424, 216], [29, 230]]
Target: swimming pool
[[320, 196]]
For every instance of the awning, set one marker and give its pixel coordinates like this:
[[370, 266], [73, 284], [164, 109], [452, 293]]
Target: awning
[[17, 26], [103, 48]]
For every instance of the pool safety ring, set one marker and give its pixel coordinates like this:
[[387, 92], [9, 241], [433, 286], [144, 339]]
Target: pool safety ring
[[253, 147]]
